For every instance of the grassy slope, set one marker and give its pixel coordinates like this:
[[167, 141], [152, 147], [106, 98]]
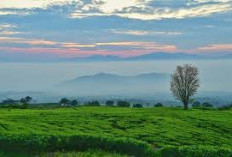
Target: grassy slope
[[159, 127]]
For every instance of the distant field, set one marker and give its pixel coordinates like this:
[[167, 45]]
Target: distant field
[[128, 131]]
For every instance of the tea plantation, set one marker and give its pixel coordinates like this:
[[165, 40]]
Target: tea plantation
[[115, 131]]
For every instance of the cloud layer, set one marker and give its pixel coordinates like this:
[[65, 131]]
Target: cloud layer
[[107, 48], [134, 9], [115, 27], [143, 10]]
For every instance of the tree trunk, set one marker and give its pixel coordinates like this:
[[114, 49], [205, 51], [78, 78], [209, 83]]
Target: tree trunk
[[185, 106]]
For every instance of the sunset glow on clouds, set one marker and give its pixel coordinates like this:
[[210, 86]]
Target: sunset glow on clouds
[[115, 27], [216, 47], [126, 48]]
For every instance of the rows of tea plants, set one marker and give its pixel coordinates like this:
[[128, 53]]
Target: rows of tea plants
[[138, 132]]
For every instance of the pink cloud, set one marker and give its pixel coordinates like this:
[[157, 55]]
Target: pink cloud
[[72, 52], [216, 47], [142, 45], [123, 49], [27, 41]]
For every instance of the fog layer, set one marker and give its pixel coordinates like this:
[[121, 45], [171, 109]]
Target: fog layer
[[215, 76]]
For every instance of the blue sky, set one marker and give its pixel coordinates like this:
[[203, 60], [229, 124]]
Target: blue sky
[[77, 28]]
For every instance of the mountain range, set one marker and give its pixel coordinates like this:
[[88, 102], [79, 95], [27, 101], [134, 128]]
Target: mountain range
[[151, 56], [105, 84]]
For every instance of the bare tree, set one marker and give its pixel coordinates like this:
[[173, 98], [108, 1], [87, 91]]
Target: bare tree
[[184, 83]]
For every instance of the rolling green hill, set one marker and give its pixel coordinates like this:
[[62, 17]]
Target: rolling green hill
[[128, 131]]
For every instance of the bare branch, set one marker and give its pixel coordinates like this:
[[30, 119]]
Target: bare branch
[[185, 83]]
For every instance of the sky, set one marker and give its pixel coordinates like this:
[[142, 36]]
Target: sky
[[124, 28]]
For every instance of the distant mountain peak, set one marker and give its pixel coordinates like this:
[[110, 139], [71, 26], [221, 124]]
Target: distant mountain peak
[[149, 56], [108, 58], [104, 74], [107, 83]]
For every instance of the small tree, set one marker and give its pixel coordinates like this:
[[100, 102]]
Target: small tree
[[121, 103], [158, 105], [64, 102], [196, 104], [8, 102], [185, 83], [206, 105], [138, 106], [109, 103], [74, 103], [25, 101], [93, 103], [28, 99]]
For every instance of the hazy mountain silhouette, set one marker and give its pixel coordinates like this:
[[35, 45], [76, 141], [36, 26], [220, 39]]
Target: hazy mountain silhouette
[[154, 56], [150, 56], [104, 83], [165, 56], [4, 57]]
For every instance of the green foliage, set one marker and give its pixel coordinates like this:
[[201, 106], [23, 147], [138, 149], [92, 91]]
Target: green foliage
[[121, 103], [24, 106], [207, 105], [195, 151], [93, 103], [196, 104], [9, 101], [135, 132], [137, 105], [89, 153], [109, 103], [158, 105], [227, 107], [74, 103], [25, 101], [64, 101]]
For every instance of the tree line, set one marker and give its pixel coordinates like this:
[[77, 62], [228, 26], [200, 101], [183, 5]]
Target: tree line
[[26, 102], [110, 103], [184, 85]]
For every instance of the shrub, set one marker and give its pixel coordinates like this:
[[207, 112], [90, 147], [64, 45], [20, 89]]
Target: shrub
[[138, 106], [109, 103], [74, 103], [24, 106], [26, 100], [78, 142], [196, 104], [194, 151], [158, 105], [207, 105], [9, 102], [93, 103], [64, 102], [227, 107], [121, 103]]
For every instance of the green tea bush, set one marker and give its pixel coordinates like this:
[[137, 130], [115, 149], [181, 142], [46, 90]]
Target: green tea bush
[[46, 143], [194, 151], [136, 132]]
